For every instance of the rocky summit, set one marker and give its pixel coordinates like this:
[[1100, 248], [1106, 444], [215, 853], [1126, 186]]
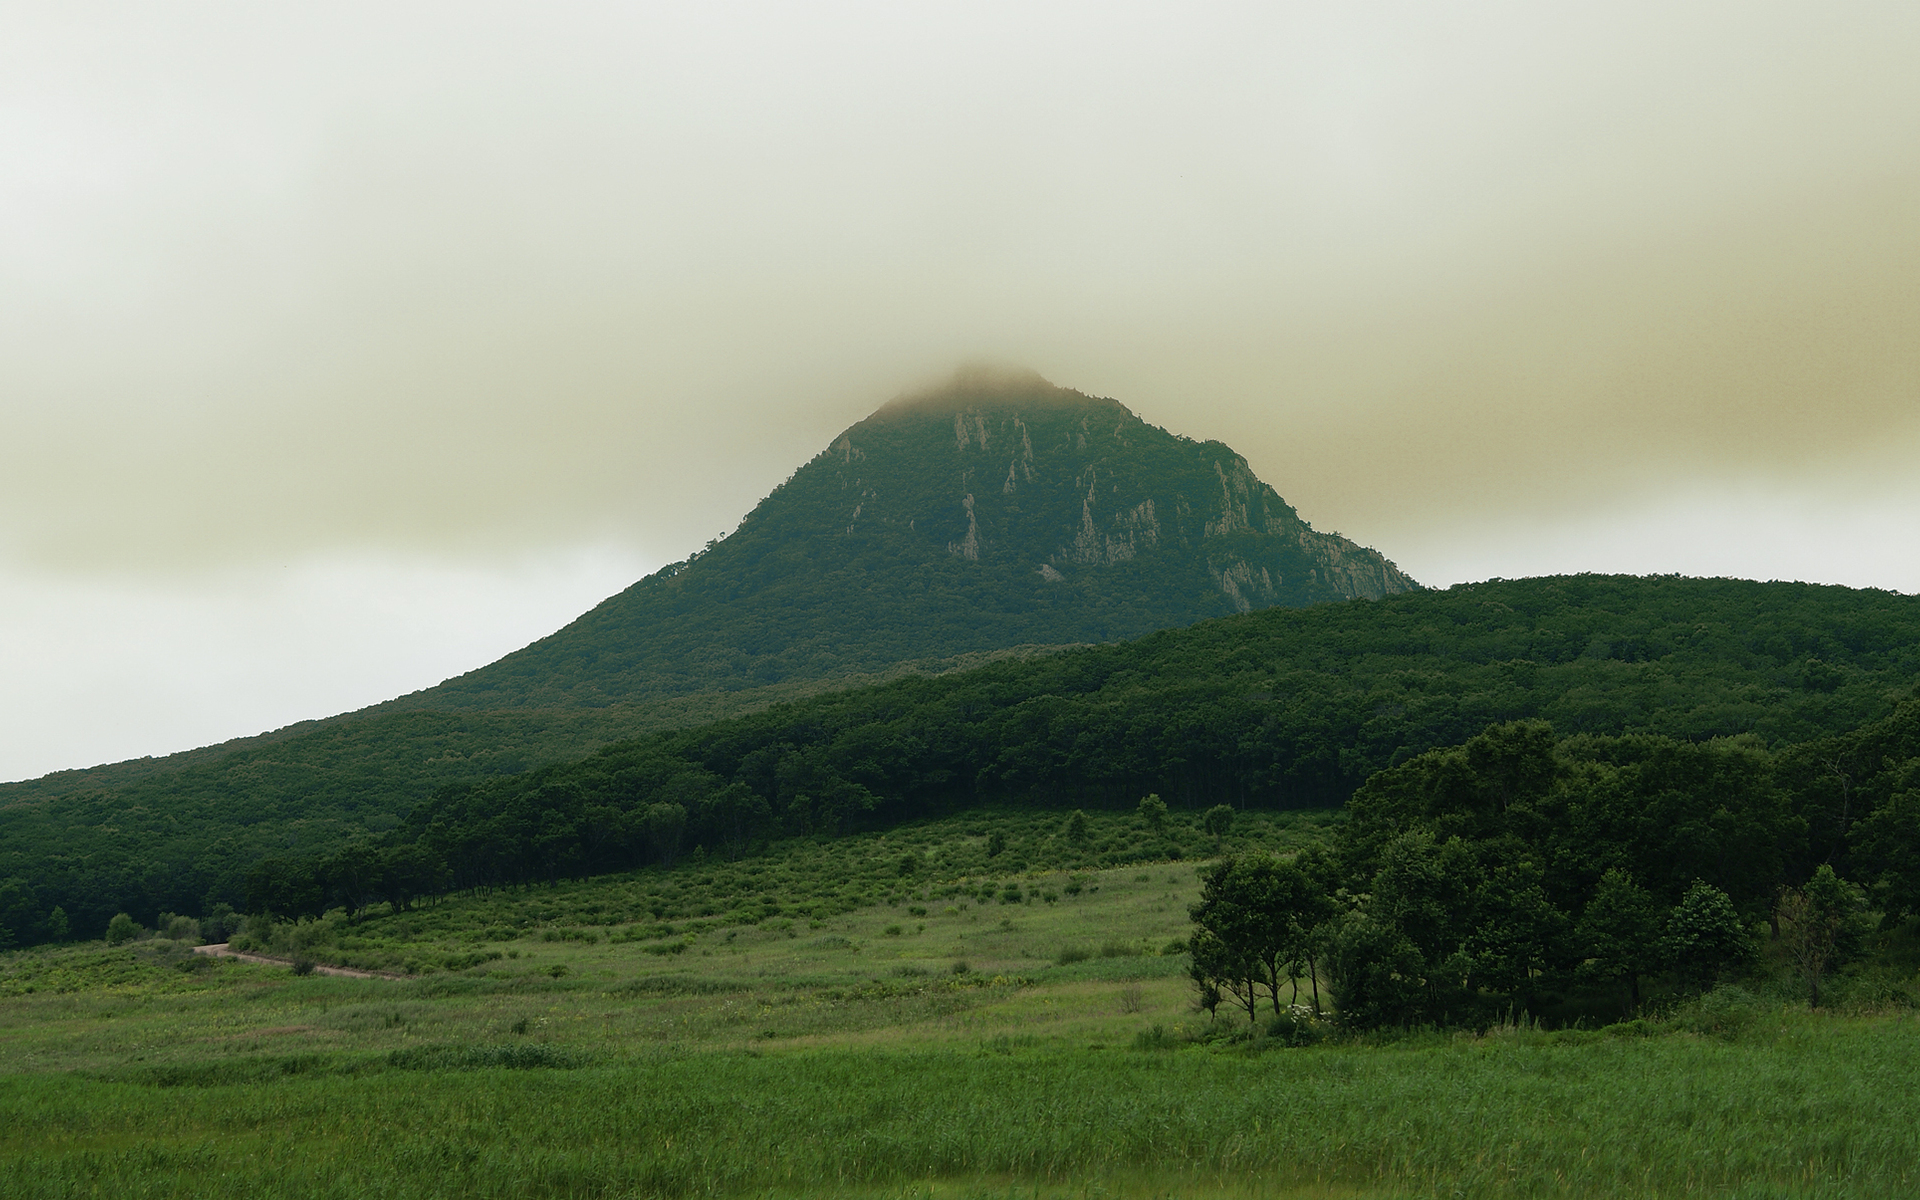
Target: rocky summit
[[999, 511]]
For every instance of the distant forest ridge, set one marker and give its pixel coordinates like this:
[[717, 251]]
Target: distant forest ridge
[[1277, 708]]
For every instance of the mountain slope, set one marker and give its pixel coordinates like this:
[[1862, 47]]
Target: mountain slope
[[1282, 707], [999, 511]]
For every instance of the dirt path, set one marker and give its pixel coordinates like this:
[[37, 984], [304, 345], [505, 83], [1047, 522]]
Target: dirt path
[[220, 950]]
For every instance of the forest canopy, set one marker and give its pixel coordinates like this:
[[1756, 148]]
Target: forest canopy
[[1274, 709]]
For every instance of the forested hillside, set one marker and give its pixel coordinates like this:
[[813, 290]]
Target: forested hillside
[[998, 517], [999, 511], [1286, 707]]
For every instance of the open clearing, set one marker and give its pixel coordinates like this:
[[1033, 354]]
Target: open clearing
[[922, 1046]]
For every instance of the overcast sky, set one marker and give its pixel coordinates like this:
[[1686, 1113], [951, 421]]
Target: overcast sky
[[346, 347]]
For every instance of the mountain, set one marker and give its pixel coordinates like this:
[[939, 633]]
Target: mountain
[[998, 511]]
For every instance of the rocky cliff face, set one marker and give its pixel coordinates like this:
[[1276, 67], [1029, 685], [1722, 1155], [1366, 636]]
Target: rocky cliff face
[[998, 511], [1068, 485]]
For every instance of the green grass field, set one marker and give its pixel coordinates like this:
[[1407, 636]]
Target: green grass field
[[842, 1051]]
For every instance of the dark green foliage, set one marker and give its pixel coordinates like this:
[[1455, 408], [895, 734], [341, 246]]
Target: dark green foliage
[[1275, 709], [1218, 820], [1257, 918], [1821, 926], [1000, 511], [1618, 935], [1153, 813], [1704, 935], [121, 929]]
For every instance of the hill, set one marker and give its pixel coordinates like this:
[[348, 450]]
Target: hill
[[891, 552], [1285, 707], [998, 511]]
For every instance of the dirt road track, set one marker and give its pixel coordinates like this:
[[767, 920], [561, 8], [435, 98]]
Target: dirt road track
[[219, 950]]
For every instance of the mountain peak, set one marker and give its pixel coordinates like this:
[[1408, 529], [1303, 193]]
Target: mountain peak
[[994, 511]]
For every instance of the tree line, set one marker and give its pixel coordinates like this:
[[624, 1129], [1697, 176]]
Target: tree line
[[1277, 709], [1528, 872]]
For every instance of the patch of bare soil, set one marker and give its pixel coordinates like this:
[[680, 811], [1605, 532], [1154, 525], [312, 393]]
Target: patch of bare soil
[[220, 950]]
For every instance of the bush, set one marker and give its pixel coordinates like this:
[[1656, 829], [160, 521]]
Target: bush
[[303, 966], [1156, 1038], [122, 929], [1725, 1012], [1153, 813], [1296, 1027], [1072, 954]]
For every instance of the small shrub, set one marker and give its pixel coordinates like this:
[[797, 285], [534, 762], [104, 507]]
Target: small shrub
[[517, 1056], [1725, 1012], [122, 929], [960, 967], [916, 910], [1176, 946], [1075, 885], [1132, 998], [893, 931], [1072, 954], [1296, 1027], [996, 842], [1118, 950], [303, 966], [1156, 1038], [557, 970], [1638, 1027], [1153, 813]]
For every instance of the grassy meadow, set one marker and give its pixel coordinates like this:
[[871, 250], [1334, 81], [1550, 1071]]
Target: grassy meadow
[[839, 1024]]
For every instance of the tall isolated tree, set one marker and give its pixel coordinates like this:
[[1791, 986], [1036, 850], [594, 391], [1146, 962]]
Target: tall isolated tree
[[1818, 924]]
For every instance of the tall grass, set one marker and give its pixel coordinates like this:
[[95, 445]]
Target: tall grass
[[1816, 1107]]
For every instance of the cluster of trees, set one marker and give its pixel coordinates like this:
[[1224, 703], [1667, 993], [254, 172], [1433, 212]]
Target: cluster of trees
[[1277, 709], [1525, 871]]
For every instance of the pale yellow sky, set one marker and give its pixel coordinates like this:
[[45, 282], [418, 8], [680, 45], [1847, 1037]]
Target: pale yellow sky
[[475, 311]]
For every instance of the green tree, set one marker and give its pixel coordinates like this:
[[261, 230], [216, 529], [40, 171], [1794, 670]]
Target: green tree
[[1619, 933], [121, 929], [1218, 821], [1819, 925], [57, 925], [1379, 976], [1153, 811], [1704, 936], [1886, 845], [1254, 923]]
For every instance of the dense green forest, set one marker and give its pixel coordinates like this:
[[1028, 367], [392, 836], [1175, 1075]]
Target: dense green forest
[[1276, 709], [1527, 872]]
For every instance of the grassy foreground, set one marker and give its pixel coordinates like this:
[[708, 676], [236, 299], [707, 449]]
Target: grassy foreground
[[1029, 1036], [1814, 1108]]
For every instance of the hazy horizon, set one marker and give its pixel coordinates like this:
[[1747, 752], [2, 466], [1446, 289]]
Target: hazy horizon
[[346, 350]]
